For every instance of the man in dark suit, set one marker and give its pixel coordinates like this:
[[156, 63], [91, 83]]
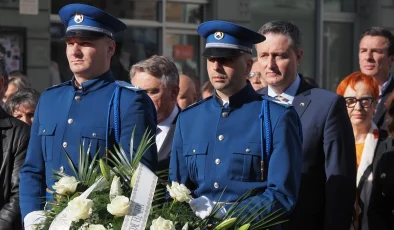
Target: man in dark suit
[[159, 76], [327, 190], [376, 54]]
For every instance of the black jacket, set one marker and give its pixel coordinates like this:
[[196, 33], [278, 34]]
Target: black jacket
[[380, 118], [381, 204], [14, 140]]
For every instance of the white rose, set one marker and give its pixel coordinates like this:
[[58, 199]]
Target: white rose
[[179, 192], [79, 208], [66, 185], [96, 227], [116, 189], [119, 206], [162, 224]]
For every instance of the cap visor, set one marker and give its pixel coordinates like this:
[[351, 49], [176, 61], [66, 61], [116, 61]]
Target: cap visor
[[84, 34], [221, 52]]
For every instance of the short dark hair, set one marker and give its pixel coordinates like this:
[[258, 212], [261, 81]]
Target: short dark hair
[[26, 96], [285, 28], [379, 31]]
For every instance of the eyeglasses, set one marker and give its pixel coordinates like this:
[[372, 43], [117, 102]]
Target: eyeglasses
[[254, 74], [365, 102]]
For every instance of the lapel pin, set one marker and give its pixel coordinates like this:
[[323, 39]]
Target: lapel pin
[[302, 104]]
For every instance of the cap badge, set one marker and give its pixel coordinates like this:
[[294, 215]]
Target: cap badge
[[218, 35], [78, 18]]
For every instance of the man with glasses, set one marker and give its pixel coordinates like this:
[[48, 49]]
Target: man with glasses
[[255, 77], [327, 190]]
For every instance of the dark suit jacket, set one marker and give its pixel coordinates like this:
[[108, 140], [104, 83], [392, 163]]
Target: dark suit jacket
[[380, 117], [166, 147], [381, 205], [327, 191]]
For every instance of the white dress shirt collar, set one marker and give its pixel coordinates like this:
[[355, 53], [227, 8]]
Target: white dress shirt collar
[[164, 127], [289, 93]]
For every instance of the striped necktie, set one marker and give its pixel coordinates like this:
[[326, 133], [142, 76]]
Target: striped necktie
[[281, 98]]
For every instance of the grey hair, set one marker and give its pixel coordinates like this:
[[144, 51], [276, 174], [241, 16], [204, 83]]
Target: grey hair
[[26, 96], [158, 66], [18, 79], [285, 28]]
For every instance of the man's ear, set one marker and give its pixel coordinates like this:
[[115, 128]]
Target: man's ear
[[249, 64], [174, 92], [111, 47], [391, 58], [299, 54]]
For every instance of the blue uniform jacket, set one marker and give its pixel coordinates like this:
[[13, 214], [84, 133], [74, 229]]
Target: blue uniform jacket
[[65, 117], [218, 149]]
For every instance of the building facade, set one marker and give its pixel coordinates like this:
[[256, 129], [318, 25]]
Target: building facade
[[330, 32]]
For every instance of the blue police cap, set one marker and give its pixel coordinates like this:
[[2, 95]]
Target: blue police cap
[[87, 21], [226, 39]]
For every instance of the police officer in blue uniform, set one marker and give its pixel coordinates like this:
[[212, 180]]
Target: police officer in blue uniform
[[236, 140], [92, 107]]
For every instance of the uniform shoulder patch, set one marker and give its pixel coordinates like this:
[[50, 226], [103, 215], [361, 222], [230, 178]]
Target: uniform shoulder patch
[[276, 101], [126, 85], [59, 85], [196, 103]]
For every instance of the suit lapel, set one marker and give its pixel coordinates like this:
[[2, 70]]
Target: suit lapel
[[380, 111], [166, 147], [301, 100], [381, 108]]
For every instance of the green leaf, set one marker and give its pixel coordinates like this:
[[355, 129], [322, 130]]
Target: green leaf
[[227, 224], [105, 170]]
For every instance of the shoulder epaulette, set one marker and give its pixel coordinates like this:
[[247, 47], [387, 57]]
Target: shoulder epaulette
[[59, 85], [276, 101], [197, 103], [126, 85]]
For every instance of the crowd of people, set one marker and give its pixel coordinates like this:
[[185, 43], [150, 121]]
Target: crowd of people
[[326, 159]]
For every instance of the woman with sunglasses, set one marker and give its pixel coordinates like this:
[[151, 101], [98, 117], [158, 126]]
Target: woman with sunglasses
[[361, 93]]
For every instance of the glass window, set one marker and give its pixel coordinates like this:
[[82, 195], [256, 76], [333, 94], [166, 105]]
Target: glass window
[[132, 9], [300, 12], [135, 44], [185, 52], [132, 45], [184, 12], [339, 5], [337, 53]]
